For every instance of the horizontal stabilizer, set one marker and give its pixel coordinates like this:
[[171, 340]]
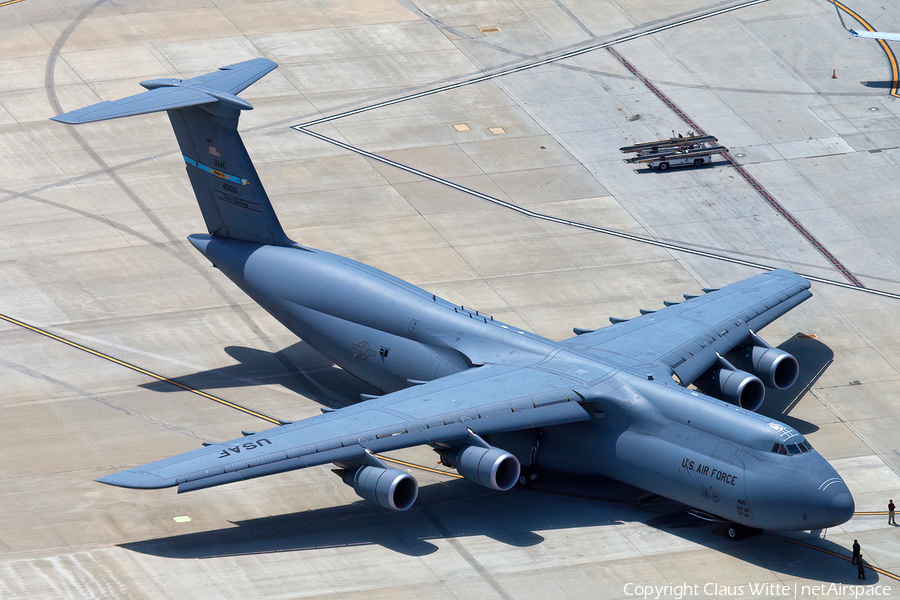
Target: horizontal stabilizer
[[234, 79], [140, 104], [204, 113], [169, 94]]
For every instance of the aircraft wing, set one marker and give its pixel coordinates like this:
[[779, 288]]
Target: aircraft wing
[[688, 337], [878, 35], [488, 399]]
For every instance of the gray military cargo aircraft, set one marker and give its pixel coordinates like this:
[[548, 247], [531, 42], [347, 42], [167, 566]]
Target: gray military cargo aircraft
[[494, 401]]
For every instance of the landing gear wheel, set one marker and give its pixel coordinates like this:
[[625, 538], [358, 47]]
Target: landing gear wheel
[[527, 476], [737, 532], [663, 166]]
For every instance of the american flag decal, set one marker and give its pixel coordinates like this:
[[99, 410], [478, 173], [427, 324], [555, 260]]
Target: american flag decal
[[214, 152]]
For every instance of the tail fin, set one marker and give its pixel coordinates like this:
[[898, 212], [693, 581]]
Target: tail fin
[[204, 113]]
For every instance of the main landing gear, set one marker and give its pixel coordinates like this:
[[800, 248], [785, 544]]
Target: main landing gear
[[736, 531]]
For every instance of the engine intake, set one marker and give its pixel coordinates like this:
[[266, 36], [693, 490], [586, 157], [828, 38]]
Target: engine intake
[[389, 488], [489, 467], [733, 385], [775, 367]]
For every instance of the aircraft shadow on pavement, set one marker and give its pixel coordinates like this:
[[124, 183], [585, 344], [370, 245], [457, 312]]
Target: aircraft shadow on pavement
[[459, 509], [814, 358], [880, 84], [298, 368], [302, 370]]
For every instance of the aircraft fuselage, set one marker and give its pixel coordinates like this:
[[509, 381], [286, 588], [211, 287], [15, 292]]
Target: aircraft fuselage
[[652, 434], [708, 454]]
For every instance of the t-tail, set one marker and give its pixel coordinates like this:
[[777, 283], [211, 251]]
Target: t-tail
[[204, 113]]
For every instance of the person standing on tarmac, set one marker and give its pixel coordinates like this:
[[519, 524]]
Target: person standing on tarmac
[[891, 512], [856, 552]]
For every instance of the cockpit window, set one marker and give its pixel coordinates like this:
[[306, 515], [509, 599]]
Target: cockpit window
[[800, 448]]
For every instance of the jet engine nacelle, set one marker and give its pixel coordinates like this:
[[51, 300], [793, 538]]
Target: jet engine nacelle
[[388, 488], [489, 467], [776, 368], [733, 385]]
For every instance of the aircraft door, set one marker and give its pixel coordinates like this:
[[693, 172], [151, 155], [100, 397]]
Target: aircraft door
[[742, 510]]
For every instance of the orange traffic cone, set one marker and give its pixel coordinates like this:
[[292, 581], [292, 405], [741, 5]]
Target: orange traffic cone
[[834, 73]]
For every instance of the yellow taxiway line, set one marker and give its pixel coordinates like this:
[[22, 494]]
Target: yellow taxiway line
[[420, 467], [878, 570], [895, 74], [138, 369]]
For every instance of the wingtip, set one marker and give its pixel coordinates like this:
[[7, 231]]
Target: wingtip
[[252, 63], [130, 479], [94, 112], [63, 119]]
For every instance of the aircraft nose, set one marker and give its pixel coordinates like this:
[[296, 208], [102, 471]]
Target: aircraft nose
[[801, 493], [842, 508], [833, 507]]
